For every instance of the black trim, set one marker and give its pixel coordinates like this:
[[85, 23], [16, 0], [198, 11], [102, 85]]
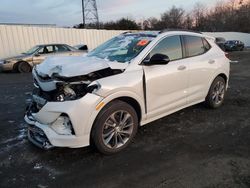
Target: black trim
[[183, 47], [144, 85]]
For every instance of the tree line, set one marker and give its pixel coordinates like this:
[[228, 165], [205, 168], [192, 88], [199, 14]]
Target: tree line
[[232, 15]]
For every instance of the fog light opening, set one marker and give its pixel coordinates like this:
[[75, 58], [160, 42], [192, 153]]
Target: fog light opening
[[63, 125]]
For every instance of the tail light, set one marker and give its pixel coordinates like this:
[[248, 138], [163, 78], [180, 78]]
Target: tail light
[[227, 55]]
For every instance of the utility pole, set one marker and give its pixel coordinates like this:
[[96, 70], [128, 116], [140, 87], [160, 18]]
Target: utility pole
[[83, 14], [90, 13]]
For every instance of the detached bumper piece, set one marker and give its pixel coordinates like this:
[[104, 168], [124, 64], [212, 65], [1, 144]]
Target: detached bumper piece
[[37, 136]]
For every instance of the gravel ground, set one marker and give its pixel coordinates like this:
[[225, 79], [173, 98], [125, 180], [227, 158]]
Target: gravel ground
[[195, 147]]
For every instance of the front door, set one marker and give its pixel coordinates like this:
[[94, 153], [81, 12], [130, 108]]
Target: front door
[[166, 85]]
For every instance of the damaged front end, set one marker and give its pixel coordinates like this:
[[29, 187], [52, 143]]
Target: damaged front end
[[60, 88], [53, 101]]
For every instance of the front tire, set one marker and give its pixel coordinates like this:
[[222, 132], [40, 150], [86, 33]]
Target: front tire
[[114, 128], [216, 94], [23, 67]]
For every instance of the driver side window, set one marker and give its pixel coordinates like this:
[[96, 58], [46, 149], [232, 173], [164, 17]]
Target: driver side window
[[170, 46]]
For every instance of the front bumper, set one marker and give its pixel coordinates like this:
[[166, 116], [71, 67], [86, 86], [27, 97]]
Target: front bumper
[[81, 113], [36, 135], [6, 67]]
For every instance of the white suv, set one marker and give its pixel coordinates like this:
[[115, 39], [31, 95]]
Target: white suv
[[129, 81]]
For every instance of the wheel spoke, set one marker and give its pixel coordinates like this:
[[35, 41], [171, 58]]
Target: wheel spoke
[[126, 126], [222, 89], [121, 116], [217, 100], [109, 138], [122, 132], [108, 133], [109, 124], [214, 95], [116, 140], [120, 137], [126, 117], [112, 117]]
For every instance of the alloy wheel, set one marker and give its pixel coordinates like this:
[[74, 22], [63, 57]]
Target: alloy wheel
[[117, 129], [218, 92]]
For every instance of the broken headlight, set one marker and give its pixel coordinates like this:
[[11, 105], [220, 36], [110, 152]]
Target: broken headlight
[[74, 91], [66, 94]]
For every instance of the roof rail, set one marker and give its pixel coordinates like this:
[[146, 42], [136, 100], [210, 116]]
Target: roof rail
[[168, 30]]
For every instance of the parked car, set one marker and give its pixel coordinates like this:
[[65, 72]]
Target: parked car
[[220, 41], [82, 47], [24, 62], [234, 45], [129, 81]]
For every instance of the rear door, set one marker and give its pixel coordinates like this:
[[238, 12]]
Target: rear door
[[202, 64]]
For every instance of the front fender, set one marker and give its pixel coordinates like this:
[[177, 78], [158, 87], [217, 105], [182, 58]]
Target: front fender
[[112, 97]]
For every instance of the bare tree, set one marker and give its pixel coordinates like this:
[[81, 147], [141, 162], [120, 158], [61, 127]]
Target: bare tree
[[199, 14], [173, 18]]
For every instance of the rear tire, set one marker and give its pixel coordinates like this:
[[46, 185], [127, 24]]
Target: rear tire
[[216, 94], [23, 67], [114, 128]]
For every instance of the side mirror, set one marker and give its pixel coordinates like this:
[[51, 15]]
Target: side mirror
[[37, 55], [157, 59]]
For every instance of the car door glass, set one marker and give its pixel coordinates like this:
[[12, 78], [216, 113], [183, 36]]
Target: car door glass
[[170, 46], [46, 50], [61, 48], [41, 51], [194, 46], [49, 49]]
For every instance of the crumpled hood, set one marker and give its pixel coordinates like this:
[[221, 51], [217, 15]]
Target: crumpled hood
[[75, 66]]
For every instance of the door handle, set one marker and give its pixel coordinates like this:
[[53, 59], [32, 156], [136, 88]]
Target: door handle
[[211, 61], [182, 67]]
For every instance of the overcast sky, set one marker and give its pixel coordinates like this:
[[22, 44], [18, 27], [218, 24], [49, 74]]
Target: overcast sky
[[68, 12]]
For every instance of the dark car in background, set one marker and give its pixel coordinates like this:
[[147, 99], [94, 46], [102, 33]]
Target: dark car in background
[[25, 61], [220, 41], [234, 45]]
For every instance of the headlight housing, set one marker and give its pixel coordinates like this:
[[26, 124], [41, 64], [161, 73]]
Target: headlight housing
[[74, 91]]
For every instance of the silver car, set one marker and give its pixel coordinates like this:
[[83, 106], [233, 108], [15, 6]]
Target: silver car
[[24, 62]]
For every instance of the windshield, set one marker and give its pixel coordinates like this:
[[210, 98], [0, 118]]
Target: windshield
[[122, 48], [32, 50]]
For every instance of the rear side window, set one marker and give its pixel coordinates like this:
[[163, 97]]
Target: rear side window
[[170, 46], [194, 46]]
